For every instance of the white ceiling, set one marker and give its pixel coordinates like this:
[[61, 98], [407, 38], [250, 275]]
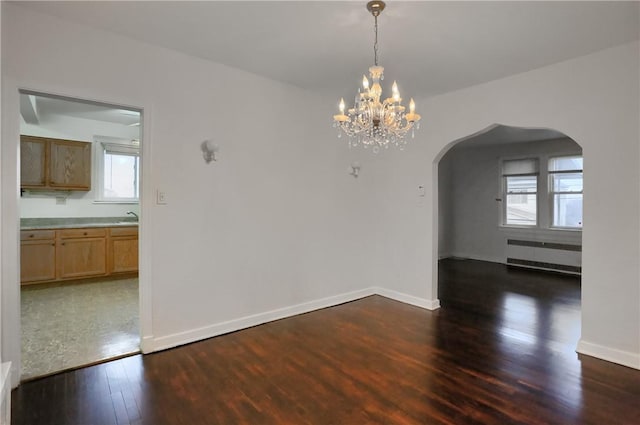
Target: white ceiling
[[37, 109], [429, 47]]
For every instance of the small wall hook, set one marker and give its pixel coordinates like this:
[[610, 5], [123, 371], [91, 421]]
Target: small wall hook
[[354, 169], [209, 150]]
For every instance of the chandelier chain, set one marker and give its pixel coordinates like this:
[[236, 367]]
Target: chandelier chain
[[375, 44]]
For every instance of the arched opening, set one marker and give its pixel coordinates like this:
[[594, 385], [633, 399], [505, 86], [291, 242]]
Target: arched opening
[[510, 230]]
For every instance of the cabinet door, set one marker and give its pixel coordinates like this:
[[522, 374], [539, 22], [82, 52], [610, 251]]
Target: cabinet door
[[123, 249], [37, 260], [124, 254], [70, 165], [33, 162], [82, 257]]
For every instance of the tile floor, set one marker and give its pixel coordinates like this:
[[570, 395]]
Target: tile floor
[[74, 324]]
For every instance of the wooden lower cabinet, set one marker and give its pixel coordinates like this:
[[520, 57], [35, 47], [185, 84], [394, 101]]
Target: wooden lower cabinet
[[82, 253], [38, 254], [123, 250], [65, 254]]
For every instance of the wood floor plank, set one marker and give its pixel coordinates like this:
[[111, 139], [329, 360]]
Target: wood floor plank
[[501, 350]]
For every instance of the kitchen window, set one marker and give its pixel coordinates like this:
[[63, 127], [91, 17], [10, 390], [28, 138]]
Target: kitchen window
[[118, 173], [520, 192], [565, 191]]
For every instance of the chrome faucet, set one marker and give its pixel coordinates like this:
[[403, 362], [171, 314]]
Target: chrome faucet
[[133, 214]]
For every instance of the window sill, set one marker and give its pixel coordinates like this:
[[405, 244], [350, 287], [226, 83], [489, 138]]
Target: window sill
[[516, 227], [566, 229], [116, 201]]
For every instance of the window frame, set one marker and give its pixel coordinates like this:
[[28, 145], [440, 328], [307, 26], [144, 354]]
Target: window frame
[[551, 192], [102, 147], [505, 194]]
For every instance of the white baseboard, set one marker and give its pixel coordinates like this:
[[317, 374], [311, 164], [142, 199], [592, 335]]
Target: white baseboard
[[205, 332], [625, 358], [150, 344], [409, 299], [146, 344], [470, 256]]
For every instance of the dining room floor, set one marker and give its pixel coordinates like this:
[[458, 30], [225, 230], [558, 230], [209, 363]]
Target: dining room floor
[[68, 325]]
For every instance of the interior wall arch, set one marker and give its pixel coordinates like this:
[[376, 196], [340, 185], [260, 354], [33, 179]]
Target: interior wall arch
[[599, 111], [467, 196]]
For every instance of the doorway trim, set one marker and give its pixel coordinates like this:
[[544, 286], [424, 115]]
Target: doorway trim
[[10, 224]]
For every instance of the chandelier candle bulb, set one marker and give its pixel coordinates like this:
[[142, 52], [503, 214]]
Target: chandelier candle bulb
[[412, 116], [372, 121], [396, 93]]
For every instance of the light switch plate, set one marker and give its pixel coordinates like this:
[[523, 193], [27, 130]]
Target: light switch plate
[[162, 198]]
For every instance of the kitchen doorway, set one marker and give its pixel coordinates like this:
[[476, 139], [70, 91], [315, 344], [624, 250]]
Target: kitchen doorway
[[79, 217]]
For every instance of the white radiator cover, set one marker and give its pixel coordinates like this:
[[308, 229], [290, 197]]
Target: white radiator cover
[[548, 255]]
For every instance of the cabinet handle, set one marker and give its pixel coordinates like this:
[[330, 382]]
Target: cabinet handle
[[62, 243], [53, 244], [85, 233], [31, 236]]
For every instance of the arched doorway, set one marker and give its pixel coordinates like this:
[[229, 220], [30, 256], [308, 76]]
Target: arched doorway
[[510, 229]]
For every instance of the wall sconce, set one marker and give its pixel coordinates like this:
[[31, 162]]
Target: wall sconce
[[209, 150], [355, 169]]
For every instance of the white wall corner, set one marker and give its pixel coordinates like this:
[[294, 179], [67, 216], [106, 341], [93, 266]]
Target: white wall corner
[[408, 299], [147, 344], [181, 338], [624, 358]]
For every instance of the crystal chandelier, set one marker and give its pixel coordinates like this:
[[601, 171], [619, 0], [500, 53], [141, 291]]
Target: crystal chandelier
[[372, 122]]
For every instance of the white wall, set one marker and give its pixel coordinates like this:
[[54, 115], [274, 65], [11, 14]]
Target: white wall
[[274, 223], [593, 100], [78, 203], [5, 367], [468, 205], [277, 221], [1, 182]]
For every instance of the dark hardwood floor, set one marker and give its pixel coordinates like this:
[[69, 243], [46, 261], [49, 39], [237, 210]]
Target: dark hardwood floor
[[499, 351]]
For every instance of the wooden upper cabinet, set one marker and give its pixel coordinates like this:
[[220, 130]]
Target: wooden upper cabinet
[[33, 162], [70, 165], [54, 164]]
